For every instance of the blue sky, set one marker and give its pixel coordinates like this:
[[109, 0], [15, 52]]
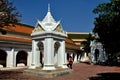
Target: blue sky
[[75, 15]]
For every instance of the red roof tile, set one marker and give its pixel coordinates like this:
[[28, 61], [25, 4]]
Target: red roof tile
[[19, 28], [15, 39]]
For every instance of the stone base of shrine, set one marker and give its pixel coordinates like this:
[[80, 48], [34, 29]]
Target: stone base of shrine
[[47, 73]]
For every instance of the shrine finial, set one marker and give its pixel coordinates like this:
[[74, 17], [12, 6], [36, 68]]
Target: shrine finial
[[48, 7]]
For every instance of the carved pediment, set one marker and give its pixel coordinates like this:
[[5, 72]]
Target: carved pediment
[[38, 29], [58, 29]]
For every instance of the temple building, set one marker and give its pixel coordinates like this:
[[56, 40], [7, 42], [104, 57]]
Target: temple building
[[78, 37], [45, 45]]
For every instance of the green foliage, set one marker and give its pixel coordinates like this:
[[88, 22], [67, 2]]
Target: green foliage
[[8, 13], [107, 25]]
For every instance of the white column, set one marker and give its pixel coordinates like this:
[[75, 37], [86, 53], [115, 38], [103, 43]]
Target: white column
[[66, 58], [79, 57], [37, 57], [10, 57], [61, 54], [15, 53], [49, 54], [29, 59], [34, 47], [14, 59], [75, 58], [56, 58]]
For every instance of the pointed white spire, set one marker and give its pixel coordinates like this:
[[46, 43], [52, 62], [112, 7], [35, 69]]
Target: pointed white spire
[[48, 17], [48, 7], [48, 23]]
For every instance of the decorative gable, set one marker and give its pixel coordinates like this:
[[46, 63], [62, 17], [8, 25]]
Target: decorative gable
[[38, 28], [58, 29]]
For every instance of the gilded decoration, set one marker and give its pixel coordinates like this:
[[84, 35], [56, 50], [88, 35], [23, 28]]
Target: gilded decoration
[[38, 29], [58, 29]]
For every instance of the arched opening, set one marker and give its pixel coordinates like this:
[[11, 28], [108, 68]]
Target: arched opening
[[21, 58], [68, 55], [118, 58], [56, 48], [96, 54], [41, 48], [3, 57]]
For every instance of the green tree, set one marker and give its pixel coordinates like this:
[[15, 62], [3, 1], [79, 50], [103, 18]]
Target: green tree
[[107, 25], [8, 14]]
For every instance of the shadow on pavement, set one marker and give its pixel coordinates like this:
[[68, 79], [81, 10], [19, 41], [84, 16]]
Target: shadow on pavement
[[10, 75], [117, 64], [106, 76]]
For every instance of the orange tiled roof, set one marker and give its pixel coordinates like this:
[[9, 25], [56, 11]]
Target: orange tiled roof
[[19, 28], [28, 30], [15, 39], [70, 44]]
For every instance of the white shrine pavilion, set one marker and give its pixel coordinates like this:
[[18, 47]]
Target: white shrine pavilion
[[48, 38]]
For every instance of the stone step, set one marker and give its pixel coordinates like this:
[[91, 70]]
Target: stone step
[[12, 68], [48, 73]]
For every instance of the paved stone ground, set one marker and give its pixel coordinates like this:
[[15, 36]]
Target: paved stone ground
[[81, 71]]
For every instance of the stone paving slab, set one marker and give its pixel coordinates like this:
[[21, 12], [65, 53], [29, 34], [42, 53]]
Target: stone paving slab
[[81, 71]]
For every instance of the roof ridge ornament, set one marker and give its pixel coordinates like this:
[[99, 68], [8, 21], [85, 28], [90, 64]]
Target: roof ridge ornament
[[48, 18], [48, 7]]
